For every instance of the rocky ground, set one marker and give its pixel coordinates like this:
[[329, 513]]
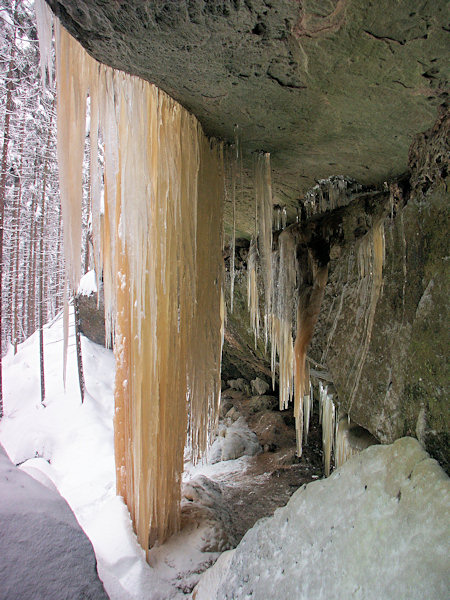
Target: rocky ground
[[252, 469], [275, 473]]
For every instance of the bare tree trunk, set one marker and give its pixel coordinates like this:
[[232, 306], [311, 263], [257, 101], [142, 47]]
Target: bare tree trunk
[[78, 346], [31, 296], [10, 86], [42, 265], [41, 292], [15, 286]]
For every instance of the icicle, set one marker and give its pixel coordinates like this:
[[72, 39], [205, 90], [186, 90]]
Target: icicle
[[342, 448], [283, 218], [234, 164], [252, 289], [308, 312], [351, 439], [160, 233], [263, 189], [307, 410], [65, 331], [328, 420], [277, 217], [71, 127], [283, 304], [44, 21]]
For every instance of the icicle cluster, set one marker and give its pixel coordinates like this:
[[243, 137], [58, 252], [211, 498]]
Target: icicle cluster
[[351, 439], [329, 194], [286, 292], [279, 217], [343, 449], [157, 210], [282, 320], [44, 19], [252, 288], [263, 190]]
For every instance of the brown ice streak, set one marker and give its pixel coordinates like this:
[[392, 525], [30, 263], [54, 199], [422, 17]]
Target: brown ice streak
[[309, 303]]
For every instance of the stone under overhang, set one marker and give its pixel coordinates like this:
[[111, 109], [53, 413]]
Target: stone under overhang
[[327, 87]]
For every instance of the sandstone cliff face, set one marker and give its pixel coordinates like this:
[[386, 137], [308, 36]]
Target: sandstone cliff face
[[403, 386], [335, 87]]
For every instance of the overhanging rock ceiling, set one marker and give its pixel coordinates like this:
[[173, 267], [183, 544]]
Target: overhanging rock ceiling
[[327, 87]]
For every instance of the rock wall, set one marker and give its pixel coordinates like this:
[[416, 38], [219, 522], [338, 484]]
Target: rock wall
[[403, 385]]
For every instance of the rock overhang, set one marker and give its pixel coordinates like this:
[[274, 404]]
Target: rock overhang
[[336, 87]]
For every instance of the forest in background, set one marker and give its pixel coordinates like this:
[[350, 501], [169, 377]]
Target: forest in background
[[31, 241]]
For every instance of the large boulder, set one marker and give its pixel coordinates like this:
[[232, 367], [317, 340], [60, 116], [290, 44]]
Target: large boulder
[[44, 553], [377, 528]]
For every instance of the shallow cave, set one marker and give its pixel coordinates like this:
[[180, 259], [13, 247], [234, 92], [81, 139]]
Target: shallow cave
[[337, 121]]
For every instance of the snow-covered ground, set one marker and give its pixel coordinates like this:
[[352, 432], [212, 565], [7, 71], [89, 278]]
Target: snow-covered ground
[[72, 444]]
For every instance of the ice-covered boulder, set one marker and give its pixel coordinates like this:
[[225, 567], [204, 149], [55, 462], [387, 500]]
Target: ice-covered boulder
[[377, 528], [44, 554], [233, 442]]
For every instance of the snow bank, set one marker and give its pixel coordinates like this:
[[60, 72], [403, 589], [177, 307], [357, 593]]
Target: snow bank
[[88, 284], [377, 528], [43, 551], [71, 444]]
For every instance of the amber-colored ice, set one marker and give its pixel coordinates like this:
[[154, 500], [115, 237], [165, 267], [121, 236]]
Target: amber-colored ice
[[309, 303], [285, 274], [263, 190], [159, 243], [252, 288]]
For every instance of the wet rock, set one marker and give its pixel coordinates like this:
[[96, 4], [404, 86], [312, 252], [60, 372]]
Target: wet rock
[[225, 405], [240, 385], [270, 65], [233, 414], [259, 386], [404, 377], [262, 403], [271, 430]]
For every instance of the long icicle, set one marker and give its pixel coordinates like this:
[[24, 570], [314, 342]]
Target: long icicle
[[161, 242]]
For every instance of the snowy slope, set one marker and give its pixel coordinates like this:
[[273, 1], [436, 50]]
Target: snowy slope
[[378, 528], [72, 444]]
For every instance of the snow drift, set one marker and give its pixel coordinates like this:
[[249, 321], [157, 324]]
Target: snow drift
[[377, 528]]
